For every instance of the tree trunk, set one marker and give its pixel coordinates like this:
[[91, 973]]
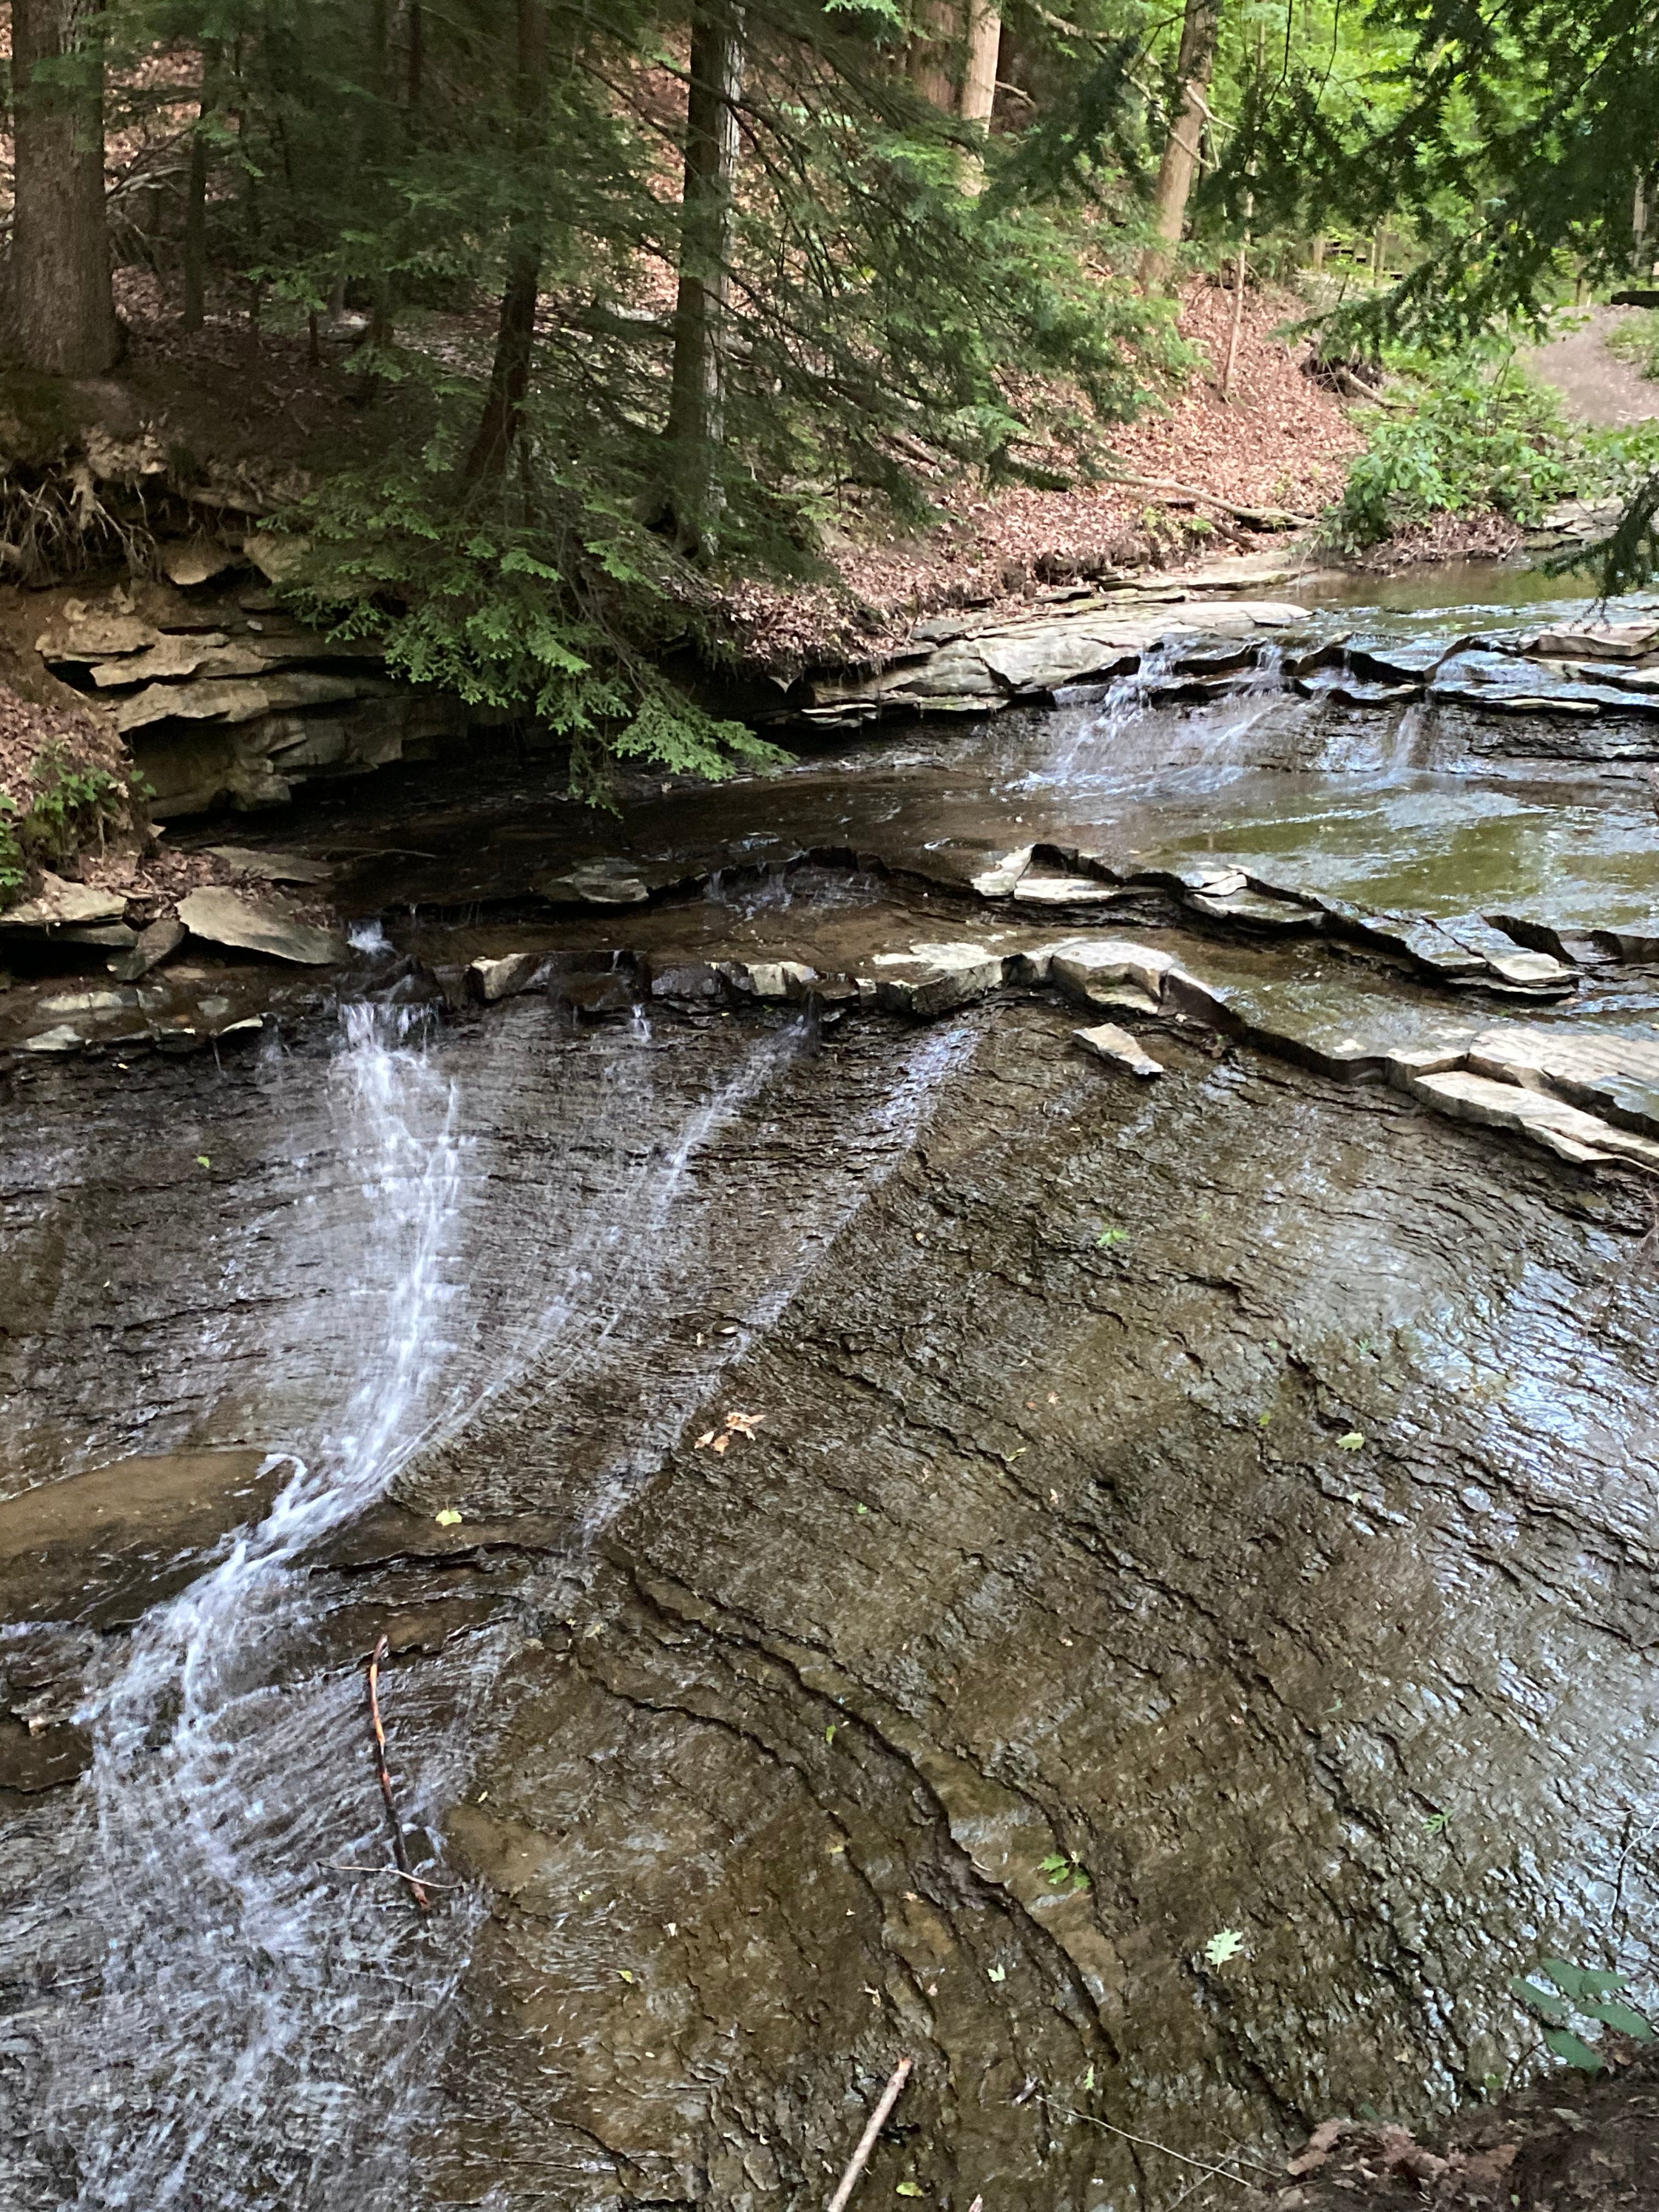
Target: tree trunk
[[414, 74], [979, 84], [695, 402], [1194, 67], [509, 374], [979, 79], [933, 59], [62, 305], [195, 205], [515, 333]]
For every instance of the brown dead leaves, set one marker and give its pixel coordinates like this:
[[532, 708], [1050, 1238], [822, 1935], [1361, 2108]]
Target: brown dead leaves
[[718, 1440]]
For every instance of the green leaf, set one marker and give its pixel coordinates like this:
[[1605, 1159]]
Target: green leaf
[[906, 2189], [203, 1161], [1566, 2044], [829, 1733], [1109, 1238], [1543, 2003], [1621, 2017], [1581, 1981], [998, 1973], [1353, 1441], [449, 1518], [1226, 1944]]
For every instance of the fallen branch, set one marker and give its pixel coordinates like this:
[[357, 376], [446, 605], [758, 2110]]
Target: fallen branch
[[856, 2164], [1209, 499], [383, 1775], [341, 1866]]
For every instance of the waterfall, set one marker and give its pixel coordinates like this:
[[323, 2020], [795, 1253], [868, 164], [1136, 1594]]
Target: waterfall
[[234, 2006], [268, 2022]]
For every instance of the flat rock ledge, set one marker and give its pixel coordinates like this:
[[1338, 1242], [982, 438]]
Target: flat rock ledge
[[1587, 1096], [1072, 655]]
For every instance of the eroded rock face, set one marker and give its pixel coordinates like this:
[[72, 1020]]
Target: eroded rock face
[[223, 697], [861, 1703]]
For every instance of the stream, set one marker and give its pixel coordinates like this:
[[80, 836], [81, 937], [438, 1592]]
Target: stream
[[892, 1537]]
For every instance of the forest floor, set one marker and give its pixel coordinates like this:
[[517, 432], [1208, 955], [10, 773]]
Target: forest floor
[[1279, 440]]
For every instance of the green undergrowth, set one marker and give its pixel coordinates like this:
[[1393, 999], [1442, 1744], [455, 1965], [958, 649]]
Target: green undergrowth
[[1474, 435], [537, 601], [65, 808], [1638, 342]]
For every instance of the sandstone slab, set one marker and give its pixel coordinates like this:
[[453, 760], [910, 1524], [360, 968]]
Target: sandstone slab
[[247, 924], [1118, 1049]]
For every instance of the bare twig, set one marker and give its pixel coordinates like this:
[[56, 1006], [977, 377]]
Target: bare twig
[[383, 1775], [340, 1866], [1147, 2142], [856, 2165]]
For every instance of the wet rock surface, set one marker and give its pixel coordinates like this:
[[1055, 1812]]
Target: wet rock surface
[[894, 1536]]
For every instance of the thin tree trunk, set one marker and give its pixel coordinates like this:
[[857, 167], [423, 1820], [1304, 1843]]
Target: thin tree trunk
[[1232, 362], [195, 205], [1638, 225], [509, 374], [515, 333], [1194, 67], [63, 306], [414, 77], [695, 403], [1317, 255]]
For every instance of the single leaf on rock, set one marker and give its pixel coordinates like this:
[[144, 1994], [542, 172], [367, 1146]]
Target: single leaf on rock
[[1543, 2003], [1581, 1981], [1353, 1441], [449, 1518], [1619, 2016], [1576, 2052], [1226, 1944]]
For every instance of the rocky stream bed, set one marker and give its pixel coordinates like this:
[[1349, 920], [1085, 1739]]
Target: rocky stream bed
[[998, 1400]]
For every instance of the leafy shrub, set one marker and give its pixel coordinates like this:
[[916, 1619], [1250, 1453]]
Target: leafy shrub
[[545, 603], [72, 806], [12, 870], [1455, 439]]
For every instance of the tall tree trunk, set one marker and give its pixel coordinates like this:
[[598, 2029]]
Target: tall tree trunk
[[979, 82], [1194, 67], [696, 401], [933, 56], [509, 373], [62, 307], [195, 205], [414, 73], [515, 332], [979, 79]]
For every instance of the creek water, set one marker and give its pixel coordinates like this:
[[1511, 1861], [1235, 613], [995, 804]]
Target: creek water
[[887, 1544]]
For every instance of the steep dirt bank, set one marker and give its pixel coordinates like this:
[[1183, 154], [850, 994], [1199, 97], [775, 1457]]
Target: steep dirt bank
[[1280, 441]]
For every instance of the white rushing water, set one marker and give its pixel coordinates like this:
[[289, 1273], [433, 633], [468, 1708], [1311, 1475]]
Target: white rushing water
[[269, 2023], [247, 2013], [1127, 742]]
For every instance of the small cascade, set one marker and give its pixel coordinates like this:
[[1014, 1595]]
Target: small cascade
[[249, 2017], [1129, 743], [1093, 741]]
